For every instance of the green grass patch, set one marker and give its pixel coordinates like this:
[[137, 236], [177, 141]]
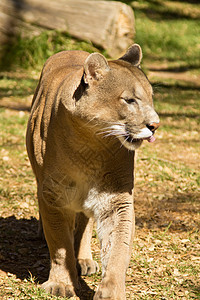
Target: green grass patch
[[33, 52], [24, 290], [175, 40], [168, 32], [16, 86]]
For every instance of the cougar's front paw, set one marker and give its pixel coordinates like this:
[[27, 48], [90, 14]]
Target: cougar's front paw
[[108, 290], [58, 289], [87, 266]]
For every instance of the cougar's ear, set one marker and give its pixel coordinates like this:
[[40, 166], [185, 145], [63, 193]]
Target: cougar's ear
[[95, 67], [133, 55]]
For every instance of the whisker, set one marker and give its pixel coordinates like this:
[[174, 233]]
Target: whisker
[[113, 132], [117, 133], [113, 124], [122, 144], [90, 121]]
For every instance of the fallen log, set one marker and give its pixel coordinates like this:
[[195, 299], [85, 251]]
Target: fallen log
[[107, 24]]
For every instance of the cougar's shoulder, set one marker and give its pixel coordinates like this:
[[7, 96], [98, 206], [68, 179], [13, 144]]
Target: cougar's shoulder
[[60, 76], [57, 68]]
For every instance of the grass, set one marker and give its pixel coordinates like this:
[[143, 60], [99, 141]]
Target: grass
[[27, 289], [168, 31], [33, 52], [13, 86], [165, 256], [158, 43]]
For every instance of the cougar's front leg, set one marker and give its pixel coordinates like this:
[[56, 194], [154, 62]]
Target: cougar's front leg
[[116, 230], [82, 245], [58, 225]]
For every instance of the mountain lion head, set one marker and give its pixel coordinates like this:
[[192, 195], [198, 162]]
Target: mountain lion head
[[116, 96]]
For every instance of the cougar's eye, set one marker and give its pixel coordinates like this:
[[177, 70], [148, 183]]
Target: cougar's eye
[[130, 101]]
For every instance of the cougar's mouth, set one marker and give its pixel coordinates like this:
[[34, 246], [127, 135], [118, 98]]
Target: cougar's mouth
[[130, 139], [133, 143]]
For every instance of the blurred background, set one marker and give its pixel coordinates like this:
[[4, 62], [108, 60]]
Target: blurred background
[[31, 31], [165, 257]]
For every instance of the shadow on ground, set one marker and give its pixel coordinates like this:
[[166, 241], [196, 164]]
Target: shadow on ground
[[22, 253]]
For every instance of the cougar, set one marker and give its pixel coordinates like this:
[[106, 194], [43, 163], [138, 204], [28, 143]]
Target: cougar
[[88, 117]]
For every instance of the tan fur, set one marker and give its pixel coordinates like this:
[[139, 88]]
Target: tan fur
[[88, 116]]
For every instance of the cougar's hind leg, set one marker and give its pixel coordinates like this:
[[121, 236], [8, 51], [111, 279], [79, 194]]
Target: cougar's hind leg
[[82, 245]]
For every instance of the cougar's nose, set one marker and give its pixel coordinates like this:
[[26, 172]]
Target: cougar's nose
[[153, 126]]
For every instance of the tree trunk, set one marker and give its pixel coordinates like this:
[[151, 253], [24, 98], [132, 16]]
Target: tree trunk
[[107, 24]]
